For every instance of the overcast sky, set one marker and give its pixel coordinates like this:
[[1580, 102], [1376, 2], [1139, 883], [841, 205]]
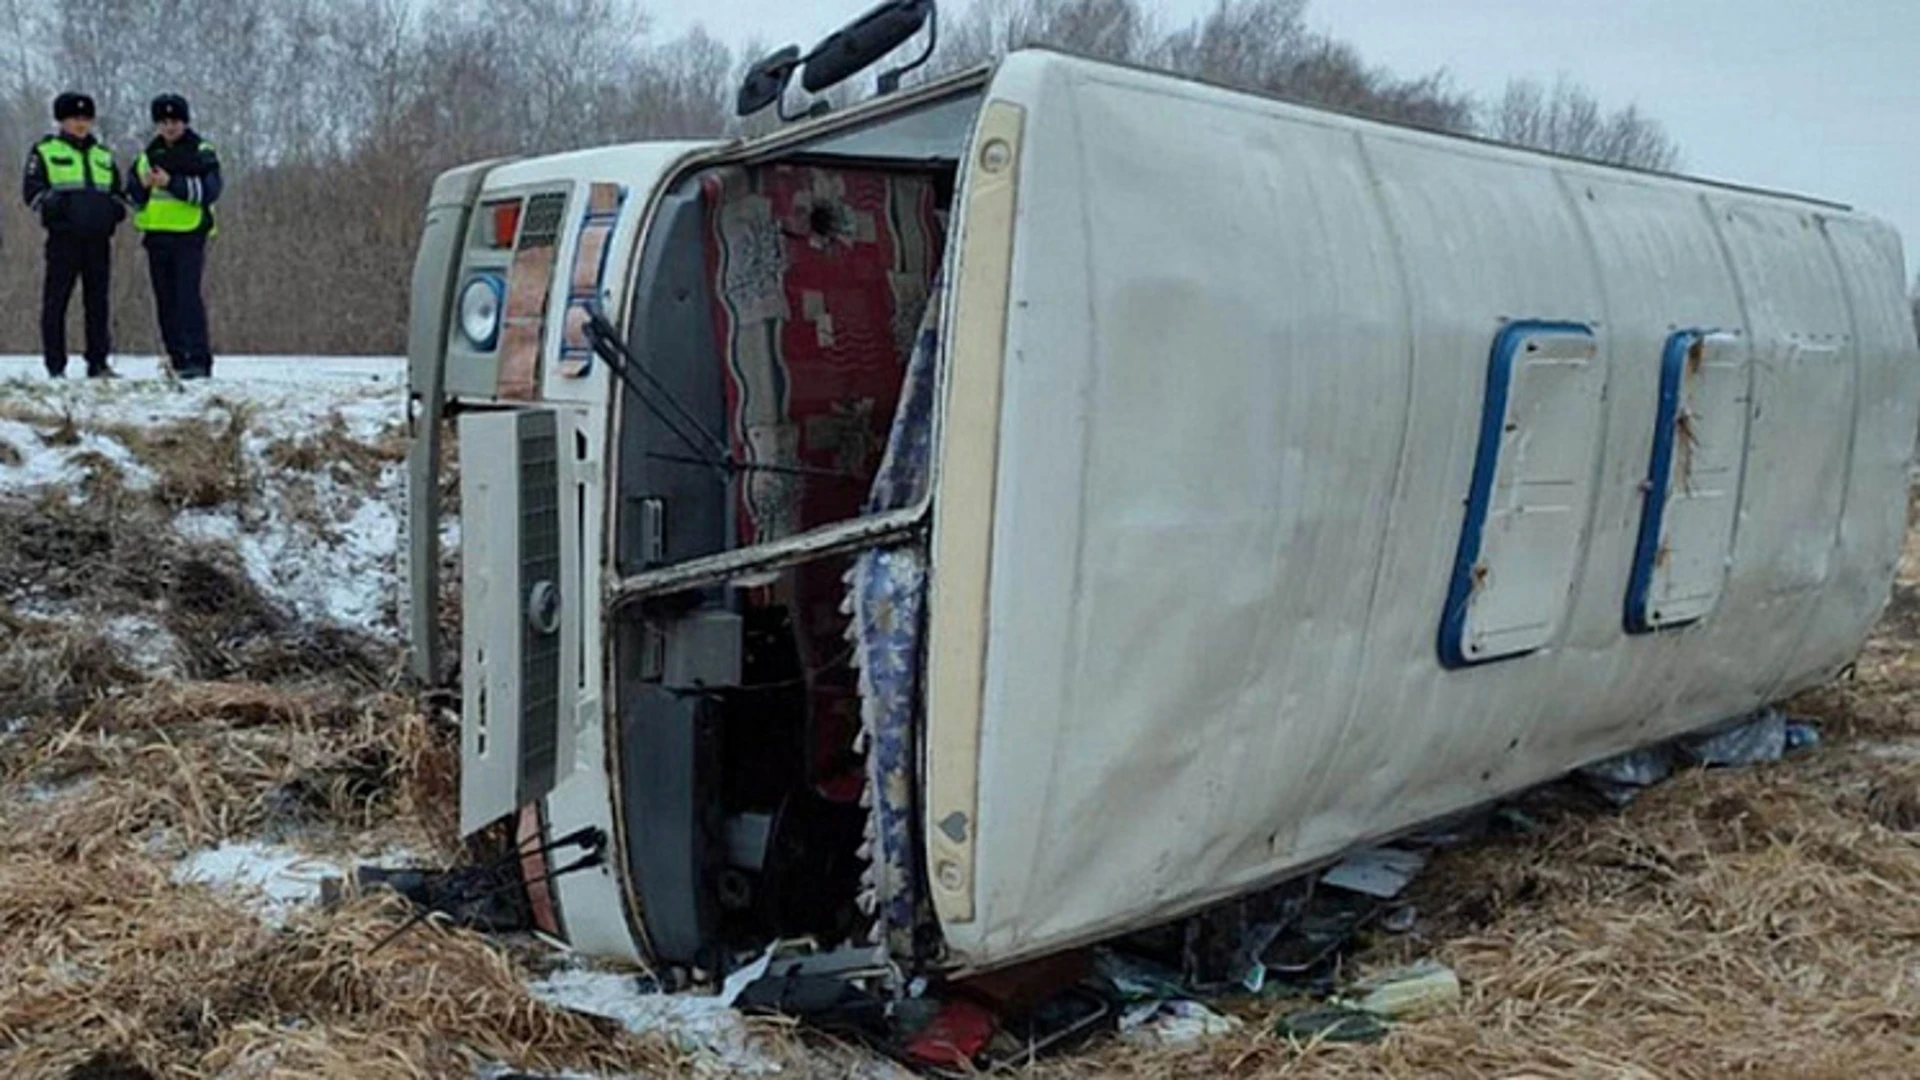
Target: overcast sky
[[1821, 98]]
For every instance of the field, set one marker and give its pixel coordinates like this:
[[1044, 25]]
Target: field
[[201, 716]]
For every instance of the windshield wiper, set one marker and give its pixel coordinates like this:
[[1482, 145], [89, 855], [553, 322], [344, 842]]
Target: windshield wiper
[[715, 454]]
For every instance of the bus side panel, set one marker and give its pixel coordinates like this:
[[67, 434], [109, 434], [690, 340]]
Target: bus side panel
[[1245, 369], [1873, 525]]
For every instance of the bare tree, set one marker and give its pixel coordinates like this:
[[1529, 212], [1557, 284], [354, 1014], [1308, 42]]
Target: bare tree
[[1120, 30], [1567, 119], [1259, 45], [1245, 43], [333, 116]]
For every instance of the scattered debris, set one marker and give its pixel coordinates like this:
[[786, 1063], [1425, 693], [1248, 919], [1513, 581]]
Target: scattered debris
[[1171, 1023], [956, 1035], [1408, 991], [1750, 740], [489, 898], [1802, 735], [1332, 1023], [1620, 779], [1328, 924], [1759, 737], [1058, 1024], [1134, 980], [696, 1023], [1382, 872]]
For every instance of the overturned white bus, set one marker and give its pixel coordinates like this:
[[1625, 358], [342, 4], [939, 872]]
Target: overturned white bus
[[1045, 502]]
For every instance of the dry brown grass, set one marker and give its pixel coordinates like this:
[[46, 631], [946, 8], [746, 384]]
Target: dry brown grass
[[107, 961], [49, 669], [198, 462], [109, 956], [335, 451], [1753, 922]]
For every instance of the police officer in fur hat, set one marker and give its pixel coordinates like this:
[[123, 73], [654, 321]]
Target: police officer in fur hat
[[175, 184], [73, 186]]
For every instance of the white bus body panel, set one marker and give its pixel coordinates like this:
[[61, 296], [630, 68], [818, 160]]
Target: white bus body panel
[[489, 635], [592, 904], [1245, 364]]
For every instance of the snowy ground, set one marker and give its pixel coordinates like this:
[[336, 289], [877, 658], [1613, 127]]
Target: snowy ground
[[243, 374], [335, 562], [315, 525]]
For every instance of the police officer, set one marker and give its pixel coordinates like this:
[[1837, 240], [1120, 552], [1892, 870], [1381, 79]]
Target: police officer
[[72, 184], [175, 184]]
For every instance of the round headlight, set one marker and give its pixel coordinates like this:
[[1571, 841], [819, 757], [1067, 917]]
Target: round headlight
[[480, 304]]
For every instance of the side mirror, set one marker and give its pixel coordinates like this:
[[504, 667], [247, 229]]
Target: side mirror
[[862, 42], [766, 81]]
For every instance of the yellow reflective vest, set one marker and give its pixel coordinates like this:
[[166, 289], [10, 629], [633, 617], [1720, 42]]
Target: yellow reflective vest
[[66, 171], [165, 212]]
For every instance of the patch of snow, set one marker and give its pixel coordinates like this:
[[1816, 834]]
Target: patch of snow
[[36, 466], [45, 793], [344, 571], [145, 643], [134, 473], [333, 557], [39, 607], [299, 393], [696, 1023], [207, 526], [229, 371], [272, 880], [42, 465]]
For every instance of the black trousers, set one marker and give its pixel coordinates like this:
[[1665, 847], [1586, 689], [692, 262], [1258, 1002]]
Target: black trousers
[[175, 261], [88, 260]]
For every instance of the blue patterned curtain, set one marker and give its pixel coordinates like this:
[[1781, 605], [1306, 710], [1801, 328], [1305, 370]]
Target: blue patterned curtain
[[886, 599]]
